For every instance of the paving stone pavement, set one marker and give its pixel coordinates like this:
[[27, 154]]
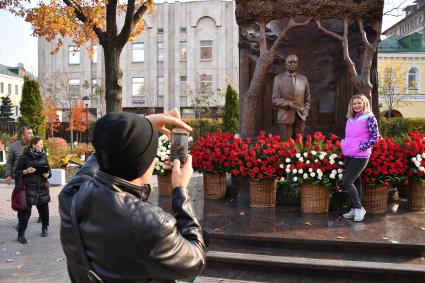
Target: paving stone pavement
[[42, 259]]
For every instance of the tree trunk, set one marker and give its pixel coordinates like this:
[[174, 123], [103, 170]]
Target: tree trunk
[[251, 96], [113, 78]]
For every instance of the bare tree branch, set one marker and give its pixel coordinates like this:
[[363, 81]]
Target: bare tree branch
[[388, 12], [262, 38], [344, 40], [328, 32], [291, 25], [140, 12], [363, 33], [128, 22]]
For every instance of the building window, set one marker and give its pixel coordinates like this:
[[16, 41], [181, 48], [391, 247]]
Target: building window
[[138, 50], [94, 59], [205, 86], [160, 51], [183, 50], [93, 85], [73, 55], [17, 110], [160, 86], [9, 89], [74, 87], [412, 82], [138, 85], [16, 90], [183, 29], [160, 30], [183, 86], [1, 87], [206, 49]]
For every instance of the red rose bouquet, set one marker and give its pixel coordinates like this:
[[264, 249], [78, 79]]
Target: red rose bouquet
[[387, 164], [415, 154], [211, 153], [258, 159]]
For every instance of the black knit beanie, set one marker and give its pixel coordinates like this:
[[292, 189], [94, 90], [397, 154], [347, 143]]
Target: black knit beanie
[[125, 144]]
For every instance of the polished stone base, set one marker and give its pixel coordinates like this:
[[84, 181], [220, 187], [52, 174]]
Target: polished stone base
[[247, 243]]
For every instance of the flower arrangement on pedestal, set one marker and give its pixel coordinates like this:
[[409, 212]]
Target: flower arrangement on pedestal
[[387, 164], [313, 167], [258, 160], [211, 153], [211, 156], [415, 152], [163, 154], [317, 161]]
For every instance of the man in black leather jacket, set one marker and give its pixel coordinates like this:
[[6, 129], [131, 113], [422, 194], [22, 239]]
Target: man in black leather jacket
[[109, 233]]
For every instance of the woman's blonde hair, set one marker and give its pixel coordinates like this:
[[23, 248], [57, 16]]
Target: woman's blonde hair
[[366, 103]]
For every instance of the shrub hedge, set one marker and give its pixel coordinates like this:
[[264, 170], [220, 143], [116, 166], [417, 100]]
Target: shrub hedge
[[399, 126]]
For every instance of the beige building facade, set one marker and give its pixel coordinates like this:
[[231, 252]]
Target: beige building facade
[[187, 50], [11, 82]]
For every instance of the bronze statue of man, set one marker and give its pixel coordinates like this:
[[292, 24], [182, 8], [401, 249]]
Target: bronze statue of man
[[291, 98]]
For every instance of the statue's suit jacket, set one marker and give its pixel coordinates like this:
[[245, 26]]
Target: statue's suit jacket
[[285, 92]]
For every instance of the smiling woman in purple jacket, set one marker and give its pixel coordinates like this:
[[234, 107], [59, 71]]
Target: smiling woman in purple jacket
[[361, 133]]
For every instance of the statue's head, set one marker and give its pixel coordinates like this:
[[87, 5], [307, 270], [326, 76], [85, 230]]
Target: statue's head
[[291, 63]]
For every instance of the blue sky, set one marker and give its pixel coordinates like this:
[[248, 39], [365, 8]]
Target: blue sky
[[18, 46]]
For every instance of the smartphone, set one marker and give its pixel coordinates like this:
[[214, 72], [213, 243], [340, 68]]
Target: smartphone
[[179, 145]]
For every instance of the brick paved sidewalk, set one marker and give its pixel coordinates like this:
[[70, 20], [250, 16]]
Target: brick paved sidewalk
[[39, 261], [42, 259]]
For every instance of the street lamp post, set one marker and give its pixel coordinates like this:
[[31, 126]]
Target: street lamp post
[[86, 100]]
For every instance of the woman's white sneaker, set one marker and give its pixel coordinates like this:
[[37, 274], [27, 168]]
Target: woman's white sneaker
[[359, 214], [349, 214]]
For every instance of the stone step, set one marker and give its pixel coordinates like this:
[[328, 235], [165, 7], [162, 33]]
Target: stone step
[[203, 279], [346, 246], [264, 264], [358, 255]]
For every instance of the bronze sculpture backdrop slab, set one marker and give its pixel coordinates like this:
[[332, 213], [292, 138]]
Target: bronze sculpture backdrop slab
[[321, 56]]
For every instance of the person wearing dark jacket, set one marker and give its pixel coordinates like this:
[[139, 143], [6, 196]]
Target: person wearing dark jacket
[[33, 171], [109, 232]]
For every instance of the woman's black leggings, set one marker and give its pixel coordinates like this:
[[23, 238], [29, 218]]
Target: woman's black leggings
[[352, 182]]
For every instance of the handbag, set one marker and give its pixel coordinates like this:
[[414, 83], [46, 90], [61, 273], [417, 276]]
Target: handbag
[[19, 196]]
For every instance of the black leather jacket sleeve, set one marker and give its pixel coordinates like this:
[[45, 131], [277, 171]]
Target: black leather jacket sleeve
[[180, 254]]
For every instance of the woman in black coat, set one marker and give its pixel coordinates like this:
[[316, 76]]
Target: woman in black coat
[[33, 170]]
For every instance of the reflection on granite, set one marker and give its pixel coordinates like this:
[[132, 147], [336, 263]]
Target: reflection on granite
[[235, 217]]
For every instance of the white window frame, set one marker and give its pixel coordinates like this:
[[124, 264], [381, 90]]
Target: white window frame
[[206, 82], [160, 85], [418, 80], [205, 44], [138, 52], [183, 50], [137, 82], [94, 59], [160, 50], [74, 84]]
